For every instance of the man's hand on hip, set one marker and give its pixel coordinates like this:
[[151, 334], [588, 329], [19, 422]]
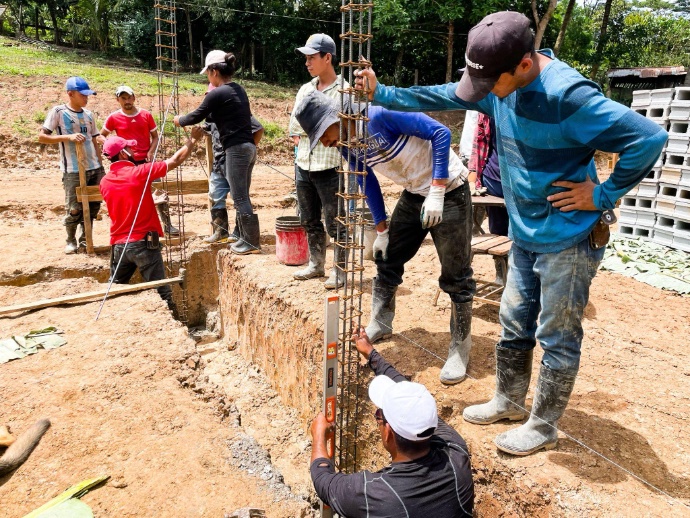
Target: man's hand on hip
[[579, 196]]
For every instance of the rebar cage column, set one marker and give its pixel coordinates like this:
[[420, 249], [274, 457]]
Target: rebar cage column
[[170, 136], [355, 50]]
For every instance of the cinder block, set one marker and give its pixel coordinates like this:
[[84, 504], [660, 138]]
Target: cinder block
[[681, 227], [661, 96], [677, 143], [682, 210], [667, 192], [665, 207], [627, 217], [660, 161], [681, 242], [642, 110], [645, 218], [682, 96], [653, 176], [648, 190], [677, 128], [683, 194], [640, 98], [658, 113], [680, 113], [675, 161], [670, 176], [663, 237]]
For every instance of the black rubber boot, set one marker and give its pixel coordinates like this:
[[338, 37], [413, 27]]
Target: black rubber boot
[[540, 432], [164, 214], [513, 374], [317, 258], [500, 265], [250, 236], [235, 236], [382, 311], [455, 368], [219, 220], [72, 246]]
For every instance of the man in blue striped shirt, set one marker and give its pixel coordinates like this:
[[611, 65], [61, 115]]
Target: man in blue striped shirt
[[549, 122]]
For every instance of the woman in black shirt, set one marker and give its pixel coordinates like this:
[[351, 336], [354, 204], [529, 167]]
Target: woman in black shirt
[[228, 106]]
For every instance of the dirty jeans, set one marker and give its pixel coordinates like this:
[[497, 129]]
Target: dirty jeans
[[218, 186], [73, 208], [452, 239], [316, 191], [239, 163], [149, 262], [544, 299]]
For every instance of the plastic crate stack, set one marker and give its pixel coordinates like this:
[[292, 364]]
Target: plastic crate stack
[[659, 207]]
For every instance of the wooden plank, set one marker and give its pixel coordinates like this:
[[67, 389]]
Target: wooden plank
[[484, 237], [502, 249], [116, 289], [483, 248], [188, 187], [86, 211], [488, 201]]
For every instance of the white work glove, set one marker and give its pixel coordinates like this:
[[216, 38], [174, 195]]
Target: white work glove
[[381, 245], [432, 209], [475, 191]]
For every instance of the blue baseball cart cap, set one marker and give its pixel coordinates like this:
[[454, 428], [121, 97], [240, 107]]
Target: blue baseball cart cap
[[78, 84]]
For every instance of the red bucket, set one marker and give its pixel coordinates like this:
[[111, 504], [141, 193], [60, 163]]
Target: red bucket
[[291, 241]]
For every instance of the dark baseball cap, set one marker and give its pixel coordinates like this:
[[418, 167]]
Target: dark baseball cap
[[318, 43], [494, 46]]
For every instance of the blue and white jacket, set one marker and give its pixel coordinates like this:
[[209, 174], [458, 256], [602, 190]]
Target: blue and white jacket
[[411, 149]]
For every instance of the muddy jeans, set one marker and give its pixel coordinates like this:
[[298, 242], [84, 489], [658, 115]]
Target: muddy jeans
[[553, 289], [73, 208], [239, 163], [316, 191], [218, 186], [452, 239], [149, 262]]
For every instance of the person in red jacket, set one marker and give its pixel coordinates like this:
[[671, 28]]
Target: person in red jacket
[[134, 228]]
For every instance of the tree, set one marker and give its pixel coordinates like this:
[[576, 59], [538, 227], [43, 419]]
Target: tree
[[601, 42], [543, 21], [564, 26]]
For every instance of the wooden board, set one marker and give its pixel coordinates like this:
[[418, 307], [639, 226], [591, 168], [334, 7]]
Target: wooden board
[[480, 239], [484, 247], [116, 289], [93, 193], [501, 250]]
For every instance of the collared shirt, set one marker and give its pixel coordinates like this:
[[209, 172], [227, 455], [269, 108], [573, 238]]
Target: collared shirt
[[321, 158]]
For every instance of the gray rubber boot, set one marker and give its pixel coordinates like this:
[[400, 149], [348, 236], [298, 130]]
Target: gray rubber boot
[[513, 374], [382, 310], [164, 214], [72, 246], [219, 220], [336, 279], [500, 264], [317, 258], [455, 368], [250, 236], [540, 432]]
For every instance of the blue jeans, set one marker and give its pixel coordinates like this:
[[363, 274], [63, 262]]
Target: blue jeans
[[218, 186], [239, 163], [452, 239], [553, 289]]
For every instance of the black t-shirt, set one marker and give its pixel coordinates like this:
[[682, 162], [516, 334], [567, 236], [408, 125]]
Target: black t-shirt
[[228, 107], [438, 485]]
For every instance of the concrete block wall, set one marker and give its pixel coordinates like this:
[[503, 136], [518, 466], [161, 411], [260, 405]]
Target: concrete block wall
[[659, 207]]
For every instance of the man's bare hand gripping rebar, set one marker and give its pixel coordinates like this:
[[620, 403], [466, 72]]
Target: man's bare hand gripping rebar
[[365, 79]]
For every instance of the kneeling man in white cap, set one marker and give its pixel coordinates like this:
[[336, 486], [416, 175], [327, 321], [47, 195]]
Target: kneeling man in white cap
[[430, 473]]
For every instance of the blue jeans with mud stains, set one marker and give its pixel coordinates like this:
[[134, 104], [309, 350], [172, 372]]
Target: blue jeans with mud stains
[[239, 164], [544, 299]]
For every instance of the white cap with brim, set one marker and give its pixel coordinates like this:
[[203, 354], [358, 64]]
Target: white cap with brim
[[214, 57], [123, 90], [407, 406]]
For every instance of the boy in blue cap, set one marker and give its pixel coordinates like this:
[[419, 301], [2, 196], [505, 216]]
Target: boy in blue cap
[[67, 125]]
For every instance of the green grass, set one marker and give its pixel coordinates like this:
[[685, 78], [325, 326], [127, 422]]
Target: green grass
[[273, 132], [106, 74]]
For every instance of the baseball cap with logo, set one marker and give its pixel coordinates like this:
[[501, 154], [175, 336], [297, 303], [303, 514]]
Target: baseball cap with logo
[[408, 407], [113, 145], [78, 84], [318, 43], [122, 89], [494, 46], [214, 57]]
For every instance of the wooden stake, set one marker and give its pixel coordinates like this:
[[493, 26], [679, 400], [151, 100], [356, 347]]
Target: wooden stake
[[86, 211], [116, 289]]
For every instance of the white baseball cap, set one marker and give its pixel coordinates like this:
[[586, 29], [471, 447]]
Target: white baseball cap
[[407, 406], [213, 58], [122, 89]]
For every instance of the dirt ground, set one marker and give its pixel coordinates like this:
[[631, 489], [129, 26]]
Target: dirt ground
[[187, 429]]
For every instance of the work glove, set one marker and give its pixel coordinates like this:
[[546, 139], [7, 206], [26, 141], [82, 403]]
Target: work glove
[[381, 245], [477, 191], [432, 209]]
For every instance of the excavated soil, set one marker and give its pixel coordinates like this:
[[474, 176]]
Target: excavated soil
[[189, 428]]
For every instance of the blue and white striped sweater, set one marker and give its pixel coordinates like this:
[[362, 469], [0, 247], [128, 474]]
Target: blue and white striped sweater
[[548, 131]]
